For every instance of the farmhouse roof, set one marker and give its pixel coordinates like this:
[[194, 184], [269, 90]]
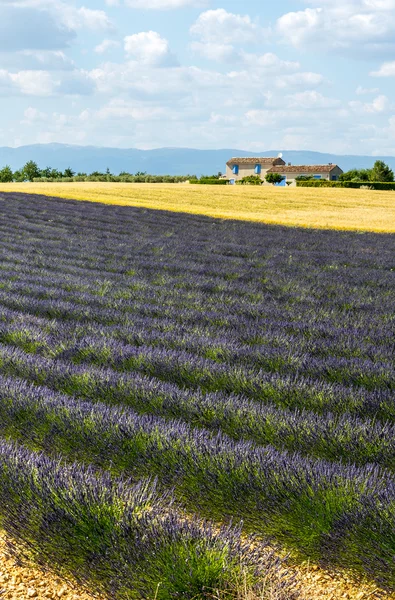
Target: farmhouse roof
[[260, 160], [302, 169]]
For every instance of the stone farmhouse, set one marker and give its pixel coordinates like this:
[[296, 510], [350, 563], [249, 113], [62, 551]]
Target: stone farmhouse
[[237, 168]]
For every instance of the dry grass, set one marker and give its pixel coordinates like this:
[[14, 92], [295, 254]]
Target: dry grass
[[328, 208]]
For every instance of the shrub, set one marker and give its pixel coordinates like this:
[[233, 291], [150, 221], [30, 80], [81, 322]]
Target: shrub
[[373, 185], [251, 180], [274, 178], [210, 181]]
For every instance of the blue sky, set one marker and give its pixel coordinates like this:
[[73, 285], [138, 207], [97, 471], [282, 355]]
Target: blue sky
[[300, 74]]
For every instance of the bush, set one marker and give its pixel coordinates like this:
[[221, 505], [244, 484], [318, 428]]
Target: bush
[[274, 178], [373, 185], [251, 180], [210, 181]]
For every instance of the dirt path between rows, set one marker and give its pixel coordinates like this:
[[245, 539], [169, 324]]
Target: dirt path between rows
[[21, 581]]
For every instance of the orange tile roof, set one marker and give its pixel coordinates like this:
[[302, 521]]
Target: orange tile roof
[[262, 160], [303, 169]]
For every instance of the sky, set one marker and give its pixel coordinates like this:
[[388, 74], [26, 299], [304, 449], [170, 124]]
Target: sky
[[253, 75]]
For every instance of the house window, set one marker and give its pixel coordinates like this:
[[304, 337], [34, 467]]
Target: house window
[[316, 176], [235, 169], [258, 169], [334, 177]]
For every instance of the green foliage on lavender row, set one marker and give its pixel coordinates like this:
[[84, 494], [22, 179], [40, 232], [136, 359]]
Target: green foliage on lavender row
[[329, 512], [123, 540]]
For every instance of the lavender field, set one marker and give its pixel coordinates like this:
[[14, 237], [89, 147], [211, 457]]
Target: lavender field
[[158, 370]]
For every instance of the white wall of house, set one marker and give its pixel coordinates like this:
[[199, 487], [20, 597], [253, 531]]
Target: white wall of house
[[245, 170]]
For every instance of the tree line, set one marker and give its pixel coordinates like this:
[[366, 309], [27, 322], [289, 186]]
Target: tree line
[[32, 172], [379, 172]]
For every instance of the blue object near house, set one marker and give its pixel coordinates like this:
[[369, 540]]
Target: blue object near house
[[258, 169], [282, 182], [235, 169], [232, 181]]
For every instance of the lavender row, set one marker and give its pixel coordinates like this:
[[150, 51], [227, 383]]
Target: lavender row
[[267, 262], [187, 369], [121, 539], [237, 329], [328, 508], [255, 292], [335, 438], [122, 222], [228, 410], [229, 342]]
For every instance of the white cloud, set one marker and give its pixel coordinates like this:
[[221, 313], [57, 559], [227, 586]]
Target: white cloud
[[357, 27], [106, 45], [81, 18], [380, 4], [386, 70], [299, 27], [262, 117], [362, 91], [311, 99], [34, 83], [216, 52], [163, 4], [33, 115], [28, 28], [45, 83], [380, 104], [45, 25], [149, 48], [268, 62], [214, 25], [30, 60], [118, 109], [301, 79]]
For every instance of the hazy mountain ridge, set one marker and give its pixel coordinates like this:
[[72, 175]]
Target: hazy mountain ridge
[[162, 161]]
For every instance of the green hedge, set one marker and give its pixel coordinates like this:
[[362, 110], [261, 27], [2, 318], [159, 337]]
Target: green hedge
[[374, 185], [208, 181]]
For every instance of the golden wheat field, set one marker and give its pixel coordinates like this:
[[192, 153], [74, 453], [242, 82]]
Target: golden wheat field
[[333, 208]]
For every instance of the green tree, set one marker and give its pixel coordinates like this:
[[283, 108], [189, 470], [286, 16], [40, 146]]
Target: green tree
[[6, 174], [46, 172], [55, 174], [356, 175], [381, 172], [19, 176], [68, 172], [274, 178], [31, 170]]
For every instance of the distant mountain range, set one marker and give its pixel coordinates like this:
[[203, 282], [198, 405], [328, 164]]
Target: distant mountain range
[[162, 161]]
